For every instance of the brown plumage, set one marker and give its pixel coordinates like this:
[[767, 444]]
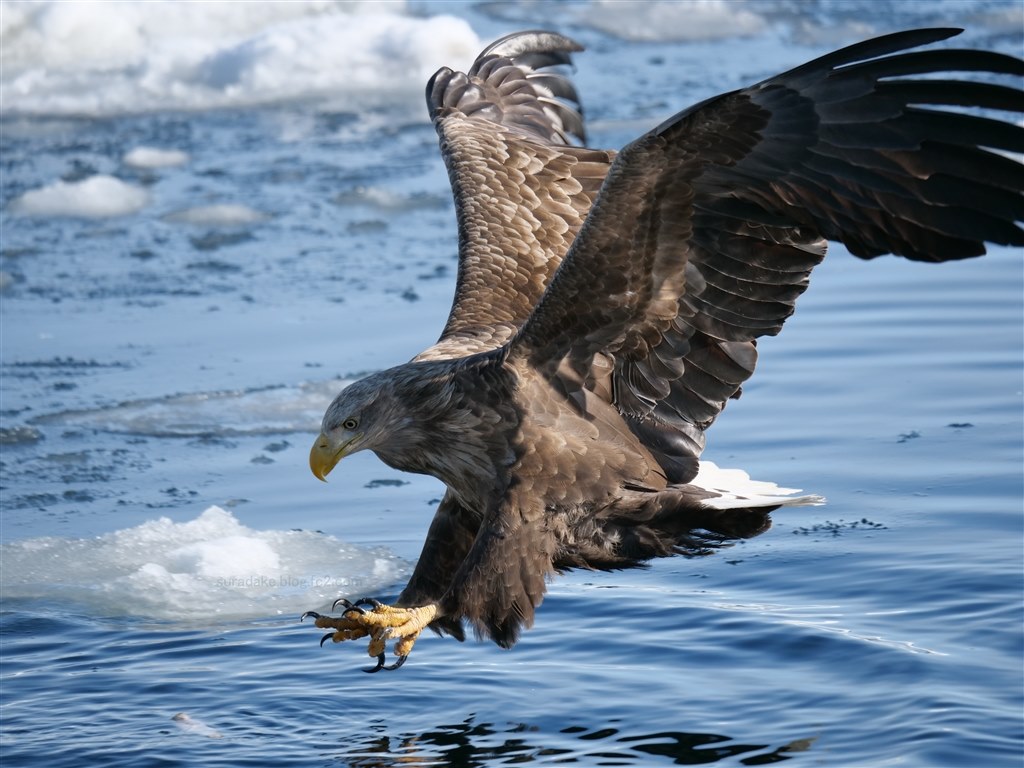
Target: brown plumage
[[608, 304]]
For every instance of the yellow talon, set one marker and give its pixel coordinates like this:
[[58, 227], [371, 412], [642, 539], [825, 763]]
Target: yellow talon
[[381, 623]]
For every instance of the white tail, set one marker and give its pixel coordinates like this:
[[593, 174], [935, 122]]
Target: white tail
[[736, 490]]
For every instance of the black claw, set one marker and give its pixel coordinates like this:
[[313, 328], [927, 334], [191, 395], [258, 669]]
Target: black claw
[[368, 601], [347, 605], [397, 664], [380, 664], [324, 638], [314, 614]]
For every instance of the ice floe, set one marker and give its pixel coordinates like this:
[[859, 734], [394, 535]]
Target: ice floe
[[154, 157], [228, 413], [94, 58], [672, 20], [218, 215], [95, 197], [206, 569]]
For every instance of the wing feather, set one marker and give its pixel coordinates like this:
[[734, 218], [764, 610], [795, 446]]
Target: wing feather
[[708, 227], [521, 189]]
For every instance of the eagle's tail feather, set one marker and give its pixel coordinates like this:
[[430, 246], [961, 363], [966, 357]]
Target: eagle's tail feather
[[716, 508], [733, 489]]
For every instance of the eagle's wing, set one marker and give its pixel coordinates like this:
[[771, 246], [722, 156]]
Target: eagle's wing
[[521, 190], [708, 226]]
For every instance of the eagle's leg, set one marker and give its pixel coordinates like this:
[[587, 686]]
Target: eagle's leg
[[381, 623], [449, 540]]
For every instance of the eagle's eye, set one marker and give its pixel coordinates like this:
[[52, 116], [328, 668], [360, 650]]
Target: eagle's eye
[[350, 424]]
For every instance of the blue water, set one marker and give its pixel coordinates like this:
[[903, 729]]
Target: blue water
[[153, 369]]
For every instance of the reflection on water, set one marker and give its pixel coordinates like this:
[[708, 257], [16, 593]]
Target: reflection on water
[[470, 744]]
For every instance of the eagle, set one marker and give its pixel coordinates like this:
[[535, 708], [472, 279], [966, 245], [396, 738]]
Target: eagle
[[608, 304]]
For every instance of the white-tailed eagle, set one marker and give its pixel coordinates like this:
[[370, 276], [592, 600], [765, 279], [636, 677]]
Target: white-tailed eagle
[[608, 303]]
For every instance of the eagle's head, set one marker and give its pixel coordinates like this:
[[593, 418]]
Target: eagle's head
[[386, 412], [364, 415]]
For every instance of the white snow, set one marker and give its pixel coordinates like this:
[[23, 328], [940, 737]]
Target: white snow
[[103, 58], [154, 157], [96, 197]]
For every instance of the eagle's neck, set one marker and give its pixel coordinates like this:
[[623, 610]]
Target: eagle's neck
[[453, 431]]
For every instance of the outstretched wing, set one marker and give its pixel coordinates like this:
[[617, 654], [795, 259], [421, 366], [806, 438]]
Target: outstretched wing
[[729, 205], [521, 190]]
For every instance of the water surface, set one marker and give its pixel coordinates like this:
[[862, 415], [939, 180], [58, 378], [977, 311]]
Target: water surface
[[165, 369]]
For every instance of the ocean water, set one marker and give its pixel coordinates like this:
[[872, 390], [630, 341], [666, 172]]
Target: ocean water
[[213, 215]]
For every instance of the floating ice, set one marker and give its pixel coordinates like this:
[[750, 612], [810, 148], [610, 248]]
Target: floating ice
[[95, 197], [153, 157], [220, 215], [268, 411], [19, 435], [109, 58], [672, 20], [212, 567], [388, 200]]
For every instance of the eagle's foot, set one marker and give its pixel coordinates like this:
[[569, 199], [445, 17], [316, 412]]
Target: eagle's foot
[[381, 623]]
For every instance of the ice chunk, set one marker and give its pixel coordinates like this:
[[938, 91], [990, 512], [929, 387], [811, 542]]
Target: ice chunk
[[95, 197], [209, 568], [672, 20], [153, 157], [219, 215], [265, 411], [94, 58]]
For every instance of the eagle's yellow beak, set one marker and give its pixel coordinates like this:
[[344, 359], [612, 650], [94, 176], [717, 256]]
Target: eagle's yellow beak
[[323, 457]]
